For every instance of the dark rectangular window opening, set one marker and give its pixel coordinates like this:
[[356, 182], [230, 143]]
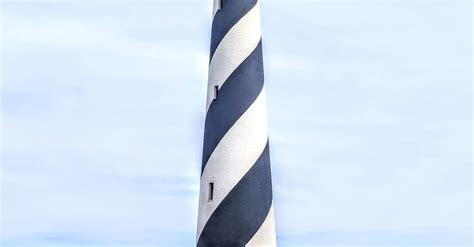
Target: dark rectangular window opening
[[211, 191], [216, 93]]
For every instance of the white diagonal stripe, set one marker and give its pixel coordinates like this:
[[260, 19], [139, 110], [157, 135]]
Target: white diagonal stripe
[[215, 7], [234, 48], [235, 154], [265, 236]]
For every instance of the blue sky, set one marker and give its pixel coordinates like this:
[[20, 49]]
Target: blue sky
[[369, 115]]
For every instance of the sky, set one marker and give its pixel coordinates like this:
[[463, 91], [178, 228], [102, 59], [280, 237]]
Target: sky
[[369, 105]]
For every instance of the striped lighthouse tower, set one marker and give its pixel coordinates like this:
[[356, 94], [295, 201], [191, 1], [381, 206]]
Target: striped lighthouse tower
[[235, 200]]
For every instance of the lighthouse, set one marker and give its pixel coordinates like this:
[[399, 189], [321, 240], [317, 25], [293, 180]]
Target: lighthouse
[[235, 199]]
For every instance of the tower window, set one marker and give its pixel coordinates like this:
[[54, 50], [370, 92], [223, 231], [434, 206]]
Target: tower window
[[216, 93], [219, 4], [211, 192]]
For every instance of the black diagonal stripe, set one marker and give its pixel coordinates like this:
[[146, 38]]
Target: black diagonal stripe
[[230, 13], [243, 211], [235, 96]]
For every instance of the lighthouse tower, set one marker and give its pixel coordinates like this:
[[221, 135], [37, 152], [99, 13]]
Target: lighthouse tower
[[235, 199]]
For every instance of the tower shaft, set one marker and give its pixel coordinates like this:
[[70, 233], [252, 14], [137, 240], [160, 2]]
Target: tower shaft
[[235, 199]]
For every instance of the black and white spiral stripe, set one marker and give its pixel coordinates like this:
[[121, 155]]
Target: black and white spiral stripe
[[236, 153]]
